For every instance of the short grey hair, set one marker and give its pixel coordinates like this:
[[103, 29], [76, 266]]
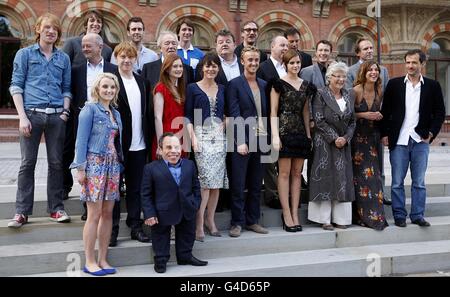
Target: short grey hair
[[335, 67], [97, 38], [164, 33]]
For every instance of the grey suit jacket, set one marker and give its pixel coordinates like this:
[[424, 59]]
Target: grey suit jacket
[[353, 72], [72, 47], [313, 75]]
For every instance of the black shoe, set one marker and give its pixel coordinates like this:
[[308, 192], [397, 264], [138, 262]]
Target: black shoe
[[140, 236], [421, 223], [400, 223], [160, 268], [113, 241], [192, 261], [274, 203], [286, 227], [387, 202], [299, 228]]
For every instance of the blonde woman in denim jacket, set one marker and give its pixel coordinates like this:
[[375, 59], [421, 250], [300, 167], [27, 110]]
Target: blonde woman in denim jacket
[[98, 160]]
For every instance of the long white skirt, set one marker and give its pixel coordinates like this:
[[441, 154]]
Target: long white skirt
[[325, 212]]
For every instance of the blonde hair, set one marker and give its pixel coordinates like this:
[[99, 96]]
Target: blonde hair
[[54, 20], [95, 92]]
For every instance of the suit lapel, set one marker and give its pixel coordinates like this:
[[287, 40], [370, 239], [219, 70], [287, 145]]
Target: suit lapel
[[262, 96], [142, 90], [83, 81], [423, 91], [273, 71], [122, 92], [248, 90], [403, 98], [318, 75], [331, 102], [165, 170]]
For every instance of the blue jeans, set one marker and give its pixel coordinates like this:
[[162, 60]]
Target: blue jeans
[[416, 156], [53, 128]]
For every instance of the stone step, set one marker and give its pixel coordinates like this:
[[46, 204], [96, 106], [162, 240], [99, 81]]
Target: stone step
[[373, 260], [56, 256]]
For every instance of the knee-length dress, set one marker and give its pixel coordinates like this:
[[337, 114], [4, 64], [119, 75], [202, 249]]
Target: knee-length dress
[[369, 209], [102, 173], [294, 141]]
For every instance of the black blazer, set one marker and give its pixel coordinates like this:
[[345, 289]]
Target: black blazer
[[241, 104], [151, 72], [161, 197], [79, 85], [267, 71], [126, 116], [431, 109], [306, 59]]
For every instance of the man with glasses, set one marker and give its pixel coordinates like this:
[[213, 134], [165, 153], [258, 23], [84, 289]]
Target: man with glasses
[[249, 35]]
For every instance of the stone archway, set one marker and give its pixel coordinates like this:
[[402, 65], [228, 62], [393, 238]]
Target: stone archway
[[22, 18], [206, 22], [116, 17], [268, 21], [432, 32], [362, 24]]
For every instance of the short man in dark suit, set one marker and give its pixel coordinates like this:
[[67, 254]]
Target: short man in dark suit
[[269, 70], [168, 43], [83, 77], [413, 112], [171, 196], [293, 37], [247, 102], [249, 35]]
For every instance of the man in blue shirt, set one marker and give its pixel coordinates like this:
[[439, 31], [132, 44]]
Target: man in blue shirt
[[40, 88], [189, 54]]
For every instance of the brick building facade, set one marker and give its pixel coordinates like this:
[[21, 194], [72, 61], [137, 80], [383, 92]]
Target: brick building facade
[[406, 24]]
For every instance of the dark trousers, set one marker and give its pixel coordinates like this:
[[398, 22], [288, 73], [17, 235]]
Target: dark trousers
[[134, 167], [184, 241], [247, 172], [53, 127], [68, 154]]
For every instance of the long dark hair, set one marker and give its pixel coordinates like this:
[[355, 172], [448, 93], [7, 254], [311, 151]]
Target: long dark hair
[[178, 92]]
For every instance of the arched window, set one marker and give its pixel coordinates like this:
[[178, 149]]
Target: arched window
[[346, 48], [438, 66], [268, 32]]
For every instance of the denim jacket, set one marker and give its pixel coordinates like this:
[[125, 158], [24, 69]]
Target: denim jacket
[[42, 83], [94, 129]]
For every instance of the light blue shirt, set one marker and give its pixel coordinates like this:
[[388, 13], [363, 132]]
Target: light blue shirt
[[42, 83], [175, 170], [92, 71]]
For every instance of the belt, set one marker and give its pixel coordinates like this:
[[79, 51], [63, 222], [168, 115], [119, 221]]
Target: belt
[[48, 110]]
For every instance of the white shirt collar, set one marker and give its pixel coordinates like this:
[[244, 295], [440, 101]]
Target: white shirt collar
[[222, 60], [407, 79], [89, 64], [276, 63], [191, 47]]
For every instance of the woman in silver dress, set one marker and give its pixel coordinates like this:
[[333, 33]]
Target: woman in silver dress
[[204, 110]]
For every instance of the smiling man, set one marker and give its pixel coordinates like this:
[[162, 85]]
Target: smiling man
[[93, 23], [189, 54]]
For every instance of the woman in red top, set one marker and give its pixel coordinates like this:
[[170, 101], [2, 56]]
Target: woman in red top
[[168, 100]]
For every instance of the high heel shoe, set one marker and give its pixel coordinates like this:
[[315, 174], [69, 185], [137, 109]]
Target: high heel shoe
[[215, 233], [288, 228], [299, 228]]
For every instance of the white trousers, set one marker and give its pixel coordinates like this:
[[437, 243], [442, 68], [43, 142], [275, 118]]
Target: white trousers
[[325, 212]]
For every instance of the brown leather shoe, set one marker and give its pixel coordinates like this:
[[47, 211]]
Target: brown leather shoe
[[257, 228], [235, 231], [327, 227]]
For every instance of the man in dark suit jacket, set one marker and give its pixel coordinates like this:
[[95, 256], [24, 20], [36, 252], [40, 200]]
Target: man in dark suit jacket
[[247, 102], [92, 49], [413, 112], [293, 37], [168, 43], [171, 196]]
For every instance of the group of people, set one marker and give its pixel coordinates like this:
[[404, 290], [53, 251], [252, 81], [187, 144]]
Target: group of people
[[181, 126]]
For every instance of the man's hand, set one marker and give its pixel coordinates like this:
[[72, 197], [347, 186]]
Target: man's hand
[[25, 127], [385, 141], [243, 149], [151, 221]]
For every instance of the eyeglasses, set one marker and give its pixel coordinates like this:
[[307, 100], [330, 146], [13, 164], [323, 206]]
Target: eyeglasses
[[339, 76], [248, 30]]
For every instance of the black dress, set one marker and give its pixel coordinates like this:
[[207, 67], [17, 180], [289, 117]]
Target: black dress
[[294, 142], [368, 205]]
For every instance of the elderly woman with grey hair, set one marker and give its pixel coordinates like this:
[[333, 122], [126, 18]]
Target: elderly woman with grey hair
[[331, 189]]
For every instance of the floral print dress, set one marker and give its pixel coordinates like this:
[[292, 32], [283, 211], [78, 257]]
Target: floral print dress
[[368, 205], [103, 173]]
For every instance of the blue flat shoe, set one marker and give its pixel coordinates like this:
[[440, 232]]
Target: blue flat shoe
[[110, 270], [100, 272]]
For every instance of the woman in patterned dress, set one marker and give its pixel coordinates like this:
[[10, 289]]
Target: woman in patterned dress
[[291, 135], [168, 101], [368, 205], [204, 109], [98, 158]]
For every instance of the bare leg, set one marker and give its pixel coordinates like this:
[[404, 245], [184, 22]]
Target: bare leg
[[284, 166], [104, 233], [199, 232], [296, 176], [211, 210], [90, 234]]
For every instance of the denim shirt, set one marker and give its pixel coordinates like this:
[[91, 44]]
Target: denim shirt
[[94, 129], [42, 83]]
